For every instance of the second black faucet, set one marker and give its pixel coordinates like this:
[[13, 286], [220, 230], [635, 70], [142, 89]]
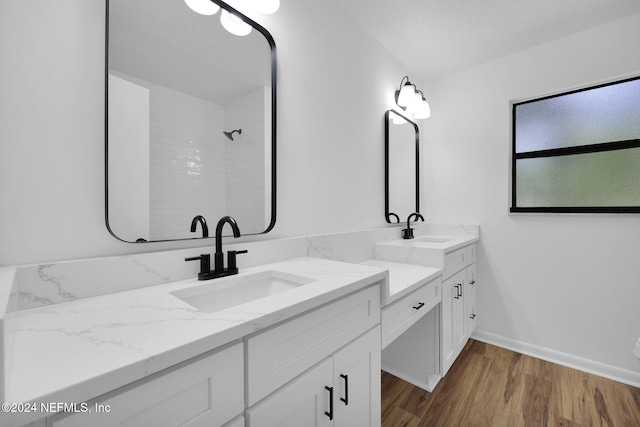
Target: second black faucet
[[407, 233]]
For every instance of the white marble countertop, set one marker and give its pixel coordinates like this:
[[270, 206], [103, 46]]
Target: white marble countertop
[[403, 278], [79, 350], [445, 243]]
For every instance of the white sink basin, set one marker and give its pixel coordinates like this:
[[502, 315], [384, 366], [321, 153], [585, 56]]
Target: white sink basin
[[219, 294], [430, 239]]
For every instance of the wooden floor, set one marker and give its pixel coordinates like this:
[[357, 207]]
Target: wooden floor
[[491, 386]]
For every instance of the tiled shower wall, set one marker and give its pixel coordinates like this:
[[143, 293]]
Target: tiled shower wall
[[246, 181], [196, 170], [187, 157]]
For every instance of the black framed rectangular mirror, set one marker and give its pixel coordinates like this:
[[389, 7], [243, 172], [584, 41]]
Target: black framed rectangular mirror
[[190, 121], [401, 167]]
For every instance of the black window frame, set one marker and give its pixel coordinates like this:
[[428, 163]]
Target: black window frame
[[565, 151]]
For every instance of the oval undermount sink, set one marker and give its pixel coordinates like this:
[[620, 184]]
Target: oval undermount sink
[[218, 295], [430, 239]]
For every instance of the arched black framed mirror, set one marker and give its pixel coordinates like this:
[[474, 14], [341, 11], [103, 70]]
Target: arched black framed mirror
[[190, 121], [401, 167]]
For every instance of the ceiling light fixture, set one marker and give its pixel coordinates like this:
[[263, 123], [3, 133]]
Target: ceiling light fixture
[[412, 100]]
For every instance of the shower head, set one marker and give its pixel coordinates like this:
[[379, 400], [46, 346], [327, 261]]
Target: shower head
[[230, 134]]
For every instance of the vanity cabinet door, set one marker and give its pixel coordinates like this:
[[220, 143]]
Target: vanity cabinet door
[[356, 379], [305, 401], [206, 392], [470, 300], [453, 319]]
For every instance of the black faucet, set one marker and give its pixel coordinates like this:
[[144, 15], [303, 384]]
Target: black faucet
[[205, 259], [203, 222], [218, 261], [408, 232]]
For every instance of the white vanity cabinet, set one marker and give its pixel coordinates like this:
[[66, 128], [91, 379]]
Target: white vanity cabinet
[[207, 391], [458, 305], [320, 369]]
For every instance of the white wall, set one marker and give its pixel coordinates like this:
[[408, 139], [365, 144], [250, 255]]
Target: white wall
[[549, 283], [129, 148], [335, 82]]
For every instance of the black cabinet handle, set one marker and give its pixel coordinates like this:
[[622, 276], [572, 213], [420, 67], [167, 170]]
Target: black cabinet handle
[[457, 292], [419, 306], [345, 399], [473, 316], [472, 282], [330, 413]]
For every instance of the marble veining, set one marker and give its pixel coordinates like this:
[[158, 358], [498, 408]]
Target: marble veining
[[54, 283], [91, 346], [147, 269], [119, 323]]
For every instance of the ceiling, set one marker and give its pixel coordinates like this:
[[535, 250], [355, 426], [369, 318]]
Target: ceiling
[[436, 37], [165, 43]]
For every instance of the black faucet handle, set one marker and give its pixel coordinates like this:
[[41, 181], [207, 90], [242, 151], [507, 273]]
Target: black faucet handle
[[231, 258], [205, 262]]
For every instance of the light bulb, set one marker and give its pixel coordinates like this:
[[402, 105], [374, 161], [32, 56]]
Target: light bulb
[[414, 102], [423, 111], [406, 95], [234, 25], [398, 120], [203, 7]]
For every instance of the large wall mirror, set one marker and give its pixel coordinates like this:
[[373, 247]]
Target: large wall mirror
[[191, 122], [402, 167]]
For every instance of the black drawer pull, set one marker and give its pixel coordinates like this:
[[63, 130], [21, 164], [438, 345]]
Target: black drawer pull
[[419, 306], [330, 413], [345, 399], [472, 282]]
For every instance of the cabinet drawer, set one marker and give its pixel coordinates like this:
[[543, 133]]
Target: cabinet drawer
[[207, 392], [471, 254], [278, 355], [454, 262], [399, 316]]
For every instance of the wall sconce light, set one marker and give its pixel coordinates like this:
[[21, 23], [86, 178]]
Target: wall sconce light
[[412, 100]]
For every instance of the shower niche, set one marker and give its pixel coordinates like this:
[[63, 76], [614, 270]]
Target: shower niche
[[190, 121]]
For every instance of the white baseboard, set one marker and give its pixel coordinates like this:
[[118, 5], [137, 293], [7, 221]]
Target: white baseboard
[[625, 376]]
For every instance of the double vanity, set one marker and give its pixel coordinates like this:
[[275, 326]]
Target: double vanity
[[298, 341]]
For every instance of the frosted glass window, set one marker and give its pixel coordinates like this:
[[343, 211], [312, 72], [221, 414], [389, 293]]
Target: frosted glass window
[[578, 151], [610, 178]]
